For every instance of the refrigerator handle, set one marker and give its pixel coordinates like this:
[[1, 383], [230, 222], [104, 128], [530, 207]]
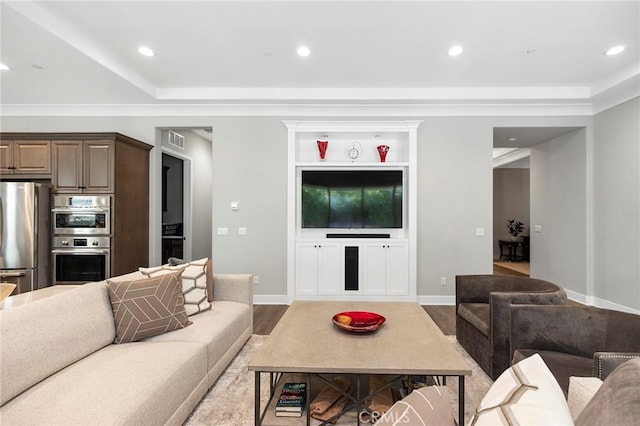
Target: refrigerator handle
[[1, 222]]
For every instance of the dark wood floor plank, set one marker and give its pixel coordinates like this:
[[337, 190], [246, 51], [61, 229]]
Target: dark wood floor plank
[[499, 270], [265, 317], [444, 316]]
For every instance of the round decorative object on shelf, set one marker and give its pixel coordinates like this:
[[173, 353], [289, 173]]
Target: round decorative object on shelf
[[354, 152]]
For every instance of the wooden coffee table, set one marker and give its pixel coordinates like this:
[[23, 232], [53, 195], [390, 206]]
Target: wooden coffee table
[[306, 341]]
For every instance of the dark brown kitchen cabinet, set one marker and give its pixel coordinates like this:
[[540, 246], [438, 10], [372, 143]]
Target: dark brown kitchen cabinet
[[93, 163], [83, 166], [28, 158]]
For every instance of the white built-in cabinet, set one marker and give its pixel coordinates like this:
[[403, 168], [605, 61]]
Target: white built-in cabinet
[[317, 268], [386, 269]]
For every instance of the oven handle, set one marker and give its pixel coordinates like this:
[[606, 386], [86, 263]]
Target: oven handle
[[80, 251], [90, 210]]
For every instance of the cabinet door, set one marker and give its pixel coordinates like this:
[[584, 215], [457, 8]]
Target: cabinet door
[[375, 269], [6, 157], [306, 282], [397, 265], [67, 166], [32, 157], [329, 267], [98, 165]]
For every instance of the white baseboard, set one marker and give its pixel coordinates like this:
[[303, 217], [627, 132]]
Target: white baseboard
[[270, 299], [599, 303], [281, 299], [437, 300]]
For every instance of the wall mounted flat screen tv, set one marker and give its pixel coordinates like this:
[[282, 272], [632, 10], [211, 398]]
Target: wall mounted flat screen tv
[[352, 199]]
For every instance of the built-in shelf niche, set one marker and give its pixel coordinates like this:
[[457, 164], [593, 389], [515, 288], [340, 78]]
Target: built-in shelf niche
[[303, 154]]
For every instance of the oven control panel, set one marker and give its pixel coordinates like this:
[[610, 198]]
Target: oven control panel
[[81, 242]]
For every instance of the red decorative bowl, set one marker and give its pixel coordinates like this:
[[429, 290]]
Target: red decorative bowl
[[358, 321]]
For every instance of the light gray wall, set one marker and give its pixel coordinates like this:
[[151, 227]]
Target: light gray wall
[[617, 204], [510, 201], [250, 166], [559, 204], [455, 194], [199, 152], [454, 198]]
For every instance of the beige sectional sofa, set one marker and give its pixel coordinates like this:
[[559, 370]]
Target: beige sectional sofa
[[59, 365]]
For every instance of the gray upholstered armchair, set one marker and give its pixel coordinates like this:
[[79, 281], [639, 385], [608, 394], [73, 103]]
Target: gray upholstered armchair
[[483, 314], [570, 339]]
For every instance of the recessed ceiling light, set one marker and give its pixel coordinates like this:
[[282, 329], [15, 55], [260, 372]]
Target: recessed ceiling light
[[614, 50], [4, 67], [146, 51], [303, 51], [37, 66], [455, 50], [512, 139]]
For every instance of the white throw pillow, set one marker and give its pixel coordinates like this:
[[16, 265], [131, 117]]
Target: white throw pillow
[[194, 283], [525, 394]]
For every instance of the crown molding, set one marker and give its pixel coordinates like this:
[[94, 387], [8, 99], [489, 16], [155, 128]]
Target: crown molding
[[511, 156], [295, 110]]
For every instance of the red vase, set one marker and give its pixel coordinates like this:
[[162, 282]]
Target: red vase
[[322, 148], [382, 150]]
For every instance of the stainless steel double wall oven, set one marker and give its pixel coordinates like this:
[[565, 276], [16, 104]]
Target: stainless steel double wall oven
[[81, 246]]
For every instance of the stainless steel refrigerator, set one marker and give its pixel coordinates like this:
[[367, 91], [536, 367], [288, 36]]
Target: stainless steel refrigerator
[[25, 234]]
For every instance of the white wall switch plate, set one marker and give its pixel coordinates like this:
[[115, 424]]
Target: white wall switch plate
[[537, 228], [479, 232], [242, 231], [256, 279], [443, 281], [222, 231]]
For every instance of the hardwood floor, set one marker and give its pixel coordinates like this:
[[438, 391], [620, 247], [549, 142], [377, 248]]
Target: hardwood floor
[[265, 317]]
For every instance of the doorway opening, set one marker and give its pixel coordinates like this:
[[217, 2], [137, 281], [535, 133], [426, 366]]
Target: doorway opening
[[173, 189], [511, 195]]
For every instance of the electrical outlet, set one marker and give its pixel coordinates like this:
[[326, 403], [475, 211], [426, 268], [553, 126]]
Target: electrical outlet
[[537, 228], [242, 231], [256, 279], [443, 281]]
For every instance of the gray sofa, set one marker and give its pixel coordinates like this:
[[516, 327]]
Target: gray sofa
[[573, 340], [483, 314], [59, 366]]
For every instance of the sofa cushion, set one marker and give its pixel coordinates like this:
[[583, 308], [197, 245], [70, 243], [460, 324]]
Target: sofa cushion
[[40, 338], [135, 384], [526, 393], [429, 405], [195, 281], [562, 365], [617, 402], [218, 328], [477, 314], [147, 307]]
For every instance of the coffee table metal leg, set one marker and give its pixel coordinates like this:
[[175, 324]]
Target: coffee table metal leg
[[461, 400], [256, 407]]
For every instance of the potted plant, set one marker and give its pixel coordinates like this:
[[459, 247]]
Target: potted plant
[[515, 228]]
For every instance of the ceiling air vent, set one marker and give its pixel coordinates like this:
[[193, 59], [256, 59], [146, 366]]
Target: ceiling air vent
[[176, 139]]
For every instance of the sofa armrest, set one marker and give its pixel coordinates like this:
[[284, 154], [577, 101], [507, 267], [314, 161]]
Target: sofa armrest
[[500, 325], [567, 329], [233, 288], [605, 362], [581, 390]]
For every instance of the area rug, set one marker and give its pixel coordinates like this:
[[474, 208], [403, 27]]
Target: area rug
[[230, 401]]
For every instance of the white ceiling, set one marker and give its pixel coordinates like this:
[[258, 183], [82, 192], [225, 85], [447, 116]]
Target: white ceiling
[[362, 52]]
